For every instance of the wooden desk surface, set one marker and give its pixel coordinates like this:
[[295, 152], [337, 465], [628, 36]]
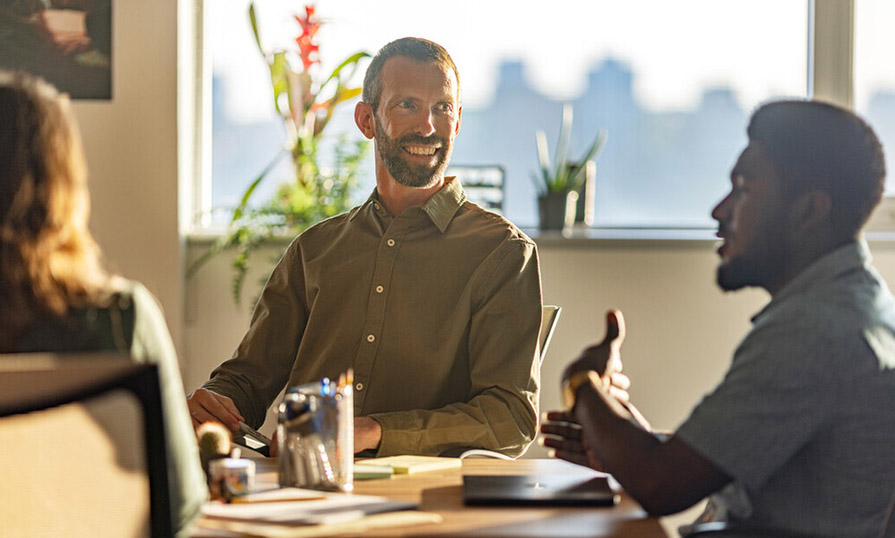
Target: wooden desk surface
[[440, 492]]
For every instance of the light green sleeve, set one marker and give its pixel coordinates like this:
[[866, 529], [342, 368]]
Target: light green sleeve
[[152, 344]]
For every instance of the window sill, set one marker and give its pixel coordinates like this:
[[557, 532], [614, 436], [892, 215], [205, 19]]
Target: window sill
[[594, 237]]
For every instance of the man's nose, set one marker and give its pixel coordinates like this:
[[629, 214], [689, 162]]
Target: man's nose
[[720, 210], [425, 124]]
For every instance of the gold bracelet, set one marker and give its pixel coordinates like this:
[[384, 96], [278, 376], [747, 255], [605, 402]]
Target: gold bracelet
[[571, 385]]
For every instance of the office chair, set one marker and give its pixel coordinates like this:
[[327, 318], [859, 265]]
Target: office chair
[[549, 318], [83, 447], [483, 185], [724, 529]]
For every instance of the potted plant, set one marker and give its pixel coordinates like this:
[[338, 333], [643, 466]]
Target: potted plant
[[305, 102], [558, 185]]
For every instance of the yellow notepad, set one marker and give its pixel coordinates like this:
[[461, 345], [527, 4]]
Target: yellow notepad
[[369, 472], [413, 464]]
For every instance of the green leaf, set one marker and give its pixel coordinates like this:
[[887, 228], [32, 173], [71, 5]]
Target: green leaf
[[254, 21], [544, 158], [340, 94], [244, 202], [565, 177], [538, 183], [279, 78], [562, 147], [351, 60], [216, 248], [592, 154]]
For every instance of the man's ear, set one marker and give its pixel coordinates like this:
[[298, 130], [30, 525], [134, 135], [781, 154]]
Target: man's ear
[[459, 117], [810, 210], [363, 117]]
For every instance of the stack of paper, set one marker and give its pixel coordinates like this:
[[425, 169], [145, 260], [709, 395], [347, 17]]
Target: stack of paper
[[409, 464], [294, 506]]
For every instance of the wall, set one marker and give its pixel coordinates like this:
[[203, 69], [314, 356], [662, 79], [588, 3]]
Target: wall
[[131, 146]]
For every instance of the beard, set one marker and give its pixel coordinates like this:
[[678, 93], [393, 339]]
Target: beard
[[760, 265], [407, 174], [741, 272]]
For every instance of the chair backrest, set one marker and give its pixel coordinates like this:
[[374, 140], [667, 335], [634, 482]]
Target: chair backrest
[[483, 184], [83, 447], [724, 529], [888, 530], [549, 317]]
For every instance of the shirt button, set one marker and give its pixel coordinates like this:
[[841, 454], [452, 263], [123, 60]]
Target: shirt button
[[379, 289], [390, 242], [359, 387], [370, 338], [375, 205]]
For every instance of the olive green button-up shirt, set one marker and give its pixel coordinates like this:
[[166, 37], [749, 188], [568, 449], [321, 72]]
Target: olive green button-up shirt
[[437, 310]]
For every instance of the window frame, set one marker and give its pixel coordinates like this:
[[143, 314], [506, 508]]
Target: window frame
[[830, 70]]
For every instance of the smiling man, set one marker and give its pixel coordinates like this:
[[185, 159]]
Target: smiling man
[[434, 302], [797, 439]]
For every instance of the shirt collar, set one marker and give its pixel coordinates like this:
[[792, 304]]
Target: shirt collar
[[823, 271], [440, 207], [444, 204]]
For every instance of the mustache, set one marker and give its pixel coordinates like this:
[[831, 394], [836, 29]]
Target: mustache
[[432, 140]]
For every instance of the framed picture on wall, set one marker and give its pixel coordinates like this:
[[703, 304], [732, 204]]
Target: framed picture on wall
[[66, 42]]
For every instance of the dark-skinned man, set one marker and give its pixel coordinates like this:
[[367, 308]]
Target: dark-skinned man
[[797, 438]]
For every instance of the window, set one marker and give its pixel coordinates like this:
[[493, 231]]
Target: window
[[672, 82], [874, 77]]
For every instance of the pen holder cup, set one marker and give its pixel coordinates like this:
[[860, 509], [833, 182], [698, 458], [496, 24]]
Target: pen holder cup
[[315, 436]]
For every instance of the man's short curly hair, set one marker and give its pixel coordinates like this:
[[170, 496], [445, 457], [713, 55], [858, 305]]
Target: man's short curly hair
[[821, 146]]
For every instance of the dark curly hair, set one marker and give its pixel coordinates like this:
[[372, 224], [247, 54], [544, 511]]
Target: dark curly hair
[[817, 145]]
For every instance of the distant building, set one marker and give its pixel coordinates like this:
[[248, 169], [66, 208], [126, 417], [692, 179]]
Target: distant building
[[664, 168]]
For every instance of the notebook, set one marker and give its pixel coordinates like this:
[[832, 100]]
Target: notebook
[[412, 464], [540, 489]]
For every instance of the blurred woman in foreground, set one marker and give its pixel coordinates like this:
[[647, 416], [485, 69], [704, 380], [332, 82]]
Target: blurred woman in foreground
[[55, 295]]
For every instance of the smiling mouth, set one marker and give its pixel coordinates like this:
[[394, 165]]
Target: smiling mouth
[[423, 151]]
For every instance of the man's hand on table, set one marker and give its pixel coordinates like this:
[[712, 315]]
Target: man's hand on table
[[205, 405], [367, 434]]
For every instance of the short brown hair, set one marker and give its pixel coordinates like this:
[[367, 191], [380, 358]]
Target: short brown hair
[[416, 48]]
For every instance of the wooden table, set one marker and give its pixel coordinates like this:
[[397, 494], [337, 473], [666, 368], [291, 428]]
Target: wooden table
[[440, 492]]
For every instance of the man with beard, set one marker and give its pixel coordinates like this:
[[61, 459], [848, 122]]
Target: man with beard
[[434, 302], [797, 439]]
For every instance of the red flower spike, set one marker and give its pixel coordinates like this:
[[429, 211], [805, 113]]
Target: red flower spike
[[309, 51]]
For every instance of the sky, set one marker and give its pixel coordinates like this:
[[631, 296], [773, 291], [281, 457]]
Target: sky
[[757, 47]]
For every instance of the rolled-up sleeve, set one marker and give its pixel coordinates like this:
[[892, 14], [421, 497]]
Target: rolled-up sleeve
[[262, 362]]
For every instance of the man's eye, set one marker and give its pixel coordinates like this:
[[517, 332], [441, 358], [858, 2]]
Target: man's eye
[[445, 108], [407, 105]]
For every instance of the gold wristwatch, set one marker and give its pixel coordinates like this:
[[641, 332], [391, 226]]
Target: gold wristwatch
[[571, 385]]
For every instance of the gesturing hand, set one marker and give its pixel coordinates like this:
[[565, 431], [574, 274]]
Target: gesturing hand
[[564, 435], [605, 357]]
